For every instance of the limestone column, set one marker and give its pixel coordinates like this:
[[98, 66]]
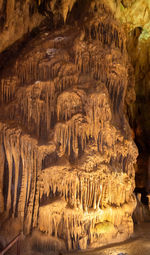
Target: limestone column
[[2, 160]]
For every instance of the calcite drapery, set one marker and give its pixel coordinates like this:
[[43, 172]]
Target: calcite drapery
[[67, 152]]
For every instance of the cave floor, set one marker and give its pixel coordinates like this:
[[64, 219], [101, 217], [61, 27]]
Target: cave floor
[[138, 244]]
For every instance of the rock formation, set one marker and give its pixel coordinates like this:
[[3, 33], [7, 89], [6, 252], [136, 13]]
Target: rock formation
[[17, 18], [67, 154]]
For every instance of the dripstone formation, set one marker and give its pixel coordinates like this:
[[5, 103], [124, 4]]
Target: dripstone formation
[[66, 152]]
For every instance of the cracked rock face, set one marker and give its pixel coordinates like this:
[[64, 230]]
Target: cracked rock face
[[67, 156]]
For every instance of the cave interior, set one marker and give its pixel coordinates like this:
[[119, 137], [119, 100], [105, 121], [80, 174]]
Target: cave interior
[[74, 121]]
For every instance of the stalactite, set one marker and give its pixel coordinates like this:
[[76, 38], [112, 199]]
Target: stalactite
[[9, 158], [16, 155], [8, 88], [22, 199], [2, 160]]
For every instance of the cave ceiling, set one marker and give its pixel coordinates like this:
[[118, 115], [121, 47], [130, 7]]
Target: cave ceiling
[[20, 17]]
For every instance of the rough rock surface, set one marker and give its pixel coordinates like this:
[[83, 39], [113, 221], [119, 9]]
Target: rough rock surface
[[67, 154], [17, 18], [139, 114]]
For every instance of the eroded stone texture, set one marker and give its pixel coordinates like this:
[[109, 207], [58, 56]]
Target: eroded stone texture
[[66, 145], [17, 18]]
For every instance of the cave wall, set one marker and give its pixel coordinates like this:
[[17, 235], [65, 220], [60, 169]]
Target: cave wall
[[137, 27], [139, 114], [135, 17], [17, 18]]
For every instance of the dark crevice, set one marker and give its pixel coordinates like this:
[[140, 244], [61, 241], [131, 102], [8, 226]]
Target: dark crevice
[[3, 15]]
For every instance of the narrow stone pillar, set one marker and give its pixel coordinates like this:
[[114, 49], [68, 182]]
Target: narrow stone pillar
[[139, 197], [148, 196]]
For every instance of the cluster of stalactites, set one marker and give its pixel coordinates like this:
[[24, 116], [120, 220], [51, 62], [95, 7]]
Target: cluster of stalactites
[[85, 192], [102, 66], [49, 64], [102, 194], [36, 105], [106, 31], [8, 88], [67, 135], [69, 103], [70, 224], [46, 65], [21, 161], [54, 222], [51, 6], [74, 134]]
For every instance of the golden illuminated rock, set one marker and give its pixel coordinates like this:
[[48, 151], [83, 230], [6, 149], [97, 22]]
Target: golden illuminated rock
[[67, 155]]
